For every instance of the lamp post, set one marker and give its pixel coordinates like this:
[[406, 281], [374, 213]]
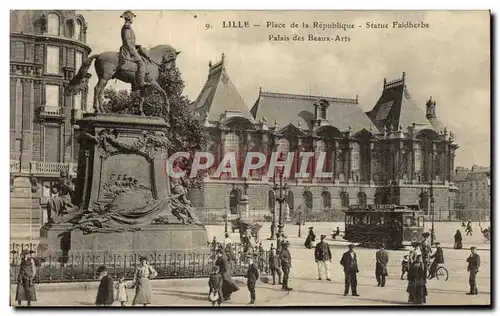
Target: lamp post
[[225, 223], [433, 202], [282, 188]]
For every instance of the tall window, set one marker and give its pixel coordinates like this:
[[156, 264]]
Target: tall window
[[52, 143], [327, 199], [232, 143], [355, 157], [418, 158], [344, 199], [308, 200], [52, 95], [77, 101], [53, 60], [78, 60], [290, 200], [283, 146], [77, 34], [362, 198], [53, 22]]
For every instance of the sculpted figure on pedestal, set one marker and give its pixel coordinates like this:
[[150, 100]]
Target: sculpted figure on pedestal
[[61, 204]]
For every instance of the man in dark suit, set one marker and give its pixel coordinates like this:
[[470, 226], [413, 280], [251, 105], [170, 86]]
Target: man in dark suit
[[350, 264], [474, 261], [105, 295], [252, 277], [275, 266], [286, 264], [438, 257], [323, 257], [382, 258]]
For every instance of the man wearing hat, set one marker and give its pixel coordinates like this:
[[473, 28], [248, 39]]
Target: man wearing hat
[[438, 257], [474, 261], [25, 287], [286, 264], [382, 258], [350, 263], [252, 277], [215, 286], [323, 257], [425, 250], [105, 294]]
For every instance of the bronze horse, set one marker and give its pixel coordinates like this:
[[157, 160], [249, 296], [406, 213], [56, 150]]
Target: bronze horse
[[108, 66]]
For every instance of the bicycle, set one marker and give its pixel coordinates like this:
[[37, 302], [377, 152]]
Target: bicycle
[[441, 272]]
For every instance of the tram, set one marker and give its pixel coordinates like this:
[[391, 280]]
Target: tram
[[392, 225]]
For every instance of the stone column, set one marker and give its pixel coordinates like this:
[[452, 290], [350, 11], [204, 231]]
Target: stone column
[[349, 162], [335, 164], [373, 162], [265, 150]]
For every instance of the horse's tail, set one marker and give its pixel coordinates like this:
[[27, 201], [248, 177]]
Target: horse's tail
[[82, 75]]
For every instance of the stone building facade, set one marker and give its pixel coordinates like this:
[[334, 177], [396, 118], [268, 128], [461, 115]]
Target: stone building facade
[[396, 153], [474, 189], [46, 48]]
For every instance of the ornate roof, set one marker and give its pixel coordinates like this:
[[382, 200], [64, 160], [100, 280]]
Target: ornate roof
[[281, 109], [396, 108], [219, 95]]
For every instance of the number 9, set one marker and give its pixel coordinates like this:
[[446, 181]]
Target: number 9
[[207, 26]]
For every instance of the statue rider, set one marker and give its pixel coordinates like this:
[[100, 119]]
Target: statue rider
[[130, 51]]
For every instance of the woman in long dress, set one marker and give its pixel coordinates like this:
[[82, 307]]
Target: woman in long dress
[[458, 240], [228, 286], [25, 287], [143, 273], [416, 282]]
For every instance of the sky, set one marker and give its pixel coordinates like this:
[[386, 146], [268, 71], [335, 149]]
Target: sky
[[449, 61]]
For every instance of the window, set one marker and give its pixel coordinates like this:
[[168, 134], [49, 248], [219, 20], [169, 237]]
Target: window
[[53, 22], [323, 112], [77, 34], [52, 95], [327, 200], [78, 60], [77, 101], [52, 60]]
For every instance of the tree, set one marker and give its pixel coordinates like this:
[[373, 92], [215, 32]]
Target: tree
[[185, 132]]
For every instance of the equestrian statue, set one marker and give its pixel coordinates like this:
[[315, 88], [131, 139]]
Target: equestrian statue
[[132, 64]]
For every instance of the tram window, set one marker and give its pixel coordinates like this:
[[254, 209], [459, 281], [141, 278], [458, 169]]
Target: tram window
[[408, 221], [420, 221]]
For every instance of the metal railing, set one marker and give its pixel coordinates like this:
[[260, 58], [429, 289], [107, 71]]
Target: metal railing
[[169, 265], [50, 167], [213, 216]]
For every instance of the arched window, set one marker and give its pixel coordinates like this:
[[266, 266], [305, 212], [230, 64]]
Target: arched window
[[344, 199], [326, 197], [232, 143], [362, 198], [77, 101], [77, 32], [53, 22], [78, 60], [271, 201], [290, 201], [424, 202], [283, 146], [308, 200], [234, 199]]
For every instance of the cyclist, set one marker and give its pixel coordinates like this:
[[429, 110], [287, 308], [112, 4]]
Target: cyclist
[[438, 257]]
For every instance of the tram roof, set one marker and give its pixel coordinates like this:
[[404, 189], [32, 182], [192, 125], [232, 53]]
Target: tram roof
[[384, 208]]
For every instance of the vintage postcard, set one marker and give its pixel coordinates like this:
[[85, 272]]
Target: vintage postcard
[[250, 158]]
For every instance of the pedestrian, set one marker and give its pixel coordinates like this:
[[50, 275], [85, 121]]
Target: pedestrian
[[121, 290], [468, 229], [286, 265], [252, 277], [336, 233], [405, 265], [414, 252], [25, 286], [275, 266], [228, 286], [105, 295], [227, 240], [311, 237], [143, 273], [323, 257], [426, 251], [474, 261], [438, 257], [417, 289], [215, 287], [382, 258], [350, 263], [458, 240]]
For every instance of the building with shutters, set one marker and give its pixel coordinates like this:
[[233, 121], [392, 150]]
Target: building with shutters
[[396, 153], [474, 191], [46, 48]]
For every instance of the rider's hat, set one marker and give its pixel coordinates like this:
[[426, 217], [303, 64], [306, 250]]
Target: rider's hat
[[127, 15], [437, 243]]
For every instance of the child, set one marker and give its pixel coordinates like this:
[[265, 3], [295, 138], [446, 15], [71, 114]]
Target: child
[[215, 286], [105, 295], [121, 290], [404, 266], [252, 277]]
